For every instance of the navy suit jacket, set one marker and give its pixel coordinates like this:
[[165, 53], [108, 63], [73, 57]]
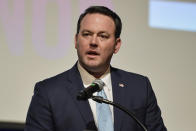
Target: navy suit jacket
[[54, 106]]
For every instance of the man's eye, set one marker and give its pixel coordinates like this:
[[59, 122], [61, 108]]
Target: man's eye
[[85, 34], [104, 36]]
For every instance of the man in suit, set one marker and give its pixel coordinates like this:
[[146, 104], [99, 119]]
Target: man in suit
[[54, 106]]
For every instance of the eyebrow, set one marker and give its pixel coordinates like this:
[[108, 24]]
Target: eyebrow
[[100, 32], [86, 31]]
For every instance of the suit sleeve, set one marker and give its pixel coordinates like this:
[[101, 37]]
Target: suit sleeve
[[154, 121], [39, 116]]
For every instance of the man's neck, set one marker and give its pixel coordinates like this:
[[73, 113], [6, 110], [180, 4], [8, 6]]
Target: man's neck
[[97, 74]]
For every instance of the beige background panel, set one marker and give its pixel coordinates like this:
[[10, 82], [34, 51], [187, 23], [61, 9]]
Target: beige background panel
[[167, 57]]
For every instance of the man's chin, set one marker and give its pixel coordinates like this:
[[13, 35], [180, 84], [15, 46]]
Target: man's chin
[[92, 66]]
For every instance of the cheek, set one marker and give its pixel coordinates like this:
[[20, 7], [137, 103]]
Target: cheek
[[110, 48], [108, 51], [82, 43], [81, 48]]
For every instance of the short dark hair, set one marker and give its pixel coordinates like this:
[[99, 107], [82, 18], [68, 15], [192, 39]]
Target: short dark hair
[[105, 11]]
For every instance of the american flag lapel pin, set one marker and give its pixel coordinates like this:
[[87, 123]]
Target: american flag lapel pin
[[121, 85]]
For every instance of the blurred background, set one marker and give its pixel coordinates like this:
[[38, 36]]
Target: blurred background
[[159, 41]]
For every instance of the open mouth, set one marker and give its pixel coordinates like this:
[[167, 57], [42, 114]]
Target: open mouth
[[94, 53]]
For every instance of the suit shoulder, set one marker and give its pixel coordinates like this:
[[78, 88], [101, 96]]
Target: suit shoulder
[[128, 75], [52, 83], [55, 78]]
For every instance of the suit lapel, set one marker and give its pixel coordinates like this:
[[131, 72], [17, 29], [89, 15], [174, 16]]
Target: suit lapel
[[74, 88], [118, 97]]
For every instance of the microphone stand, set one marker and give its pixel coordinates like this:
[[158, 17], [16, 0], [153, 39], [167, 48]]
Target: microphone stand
[[102, 100]]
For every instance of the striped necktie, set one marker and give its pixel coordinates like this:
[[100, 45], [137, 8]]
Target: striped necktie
[[104, 115]]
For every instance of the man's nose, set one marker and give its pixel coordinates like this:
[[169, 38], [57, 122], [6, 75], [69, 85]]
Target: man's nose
[[94, 41]]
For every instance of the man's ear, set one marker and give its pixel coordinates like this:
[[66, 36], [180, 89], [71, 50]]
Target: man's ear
[[117, 45], [76, 41]]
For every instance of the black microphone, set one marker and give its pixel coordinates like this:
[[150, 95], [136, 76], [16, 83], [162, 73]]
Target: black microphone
[[97, 85]]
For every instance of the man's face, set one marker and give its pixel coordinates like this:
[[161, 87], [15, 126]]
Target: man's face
[[96, 43]]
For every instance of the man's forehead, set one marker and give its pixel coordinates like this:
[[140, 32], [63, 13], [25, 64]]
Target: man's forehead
[[97, 21], [97, 17]]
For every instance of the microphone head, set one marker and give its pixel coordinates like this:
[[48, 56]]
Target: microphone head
[[87, 93], [100, 84]]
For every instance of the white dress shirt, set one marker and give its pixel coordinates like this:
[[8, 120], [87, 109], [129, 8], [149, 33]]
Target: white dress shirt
[[87, 79]]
